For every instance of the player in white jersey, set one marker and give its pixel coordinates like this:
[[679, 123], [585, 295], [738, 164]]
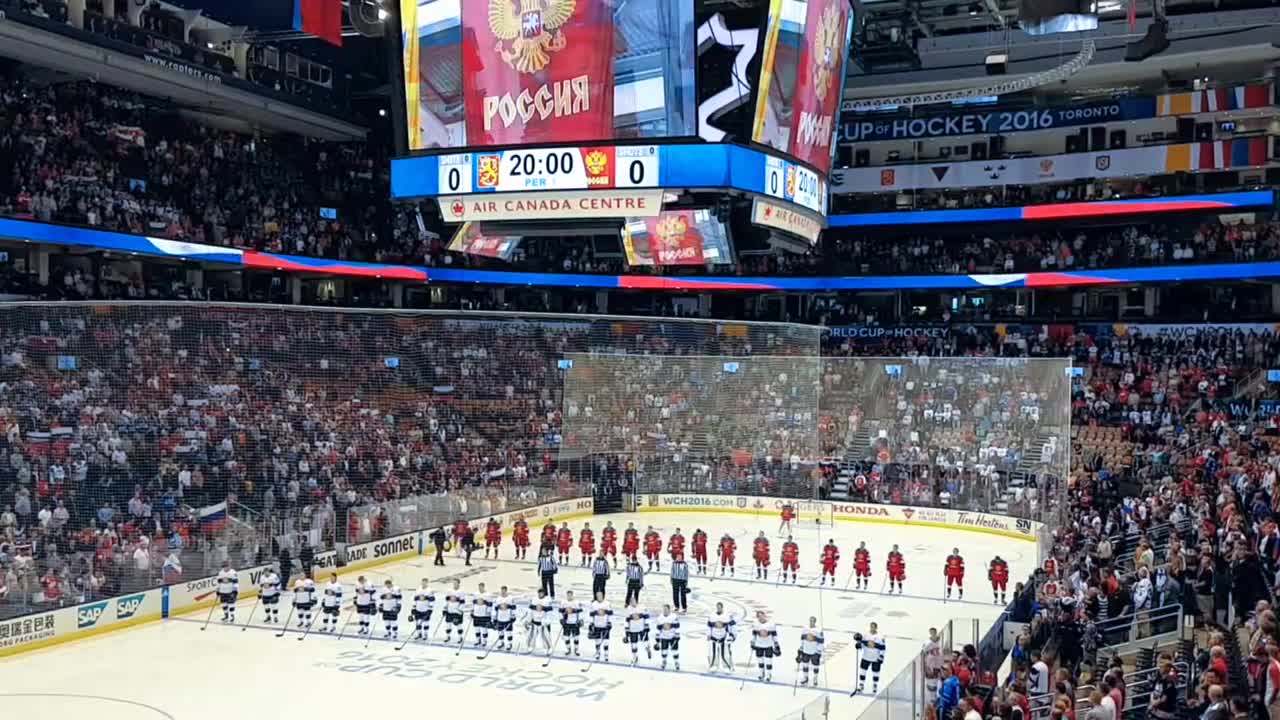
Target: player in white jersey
[[270, 589], [227, 585], [538, 624], [636, 626], [455, 606], [424, 603], [330, 604], [304, 599], [366, 604], [810, 653], [871, 646], [482, 615], [668, 632], [570, 623], [722, 630], [504, 618], [389, 601], [601, 625], [764, 642]]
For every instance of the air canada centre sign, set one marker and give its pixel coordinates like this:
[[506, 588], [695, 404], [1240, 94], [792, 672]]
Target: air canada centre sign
[[572, 205]]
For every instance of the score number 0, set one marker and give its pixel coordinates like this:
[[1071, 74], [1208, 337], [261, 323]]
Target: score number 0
[[455, 174]]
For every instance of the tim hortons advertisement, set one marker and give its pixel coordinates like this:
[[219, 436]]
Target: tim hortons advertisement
[[537, 71]]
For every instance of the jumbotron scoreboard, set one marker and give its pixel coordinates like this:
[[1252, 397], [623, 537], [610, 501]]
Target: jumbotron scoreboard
[[578, 110]]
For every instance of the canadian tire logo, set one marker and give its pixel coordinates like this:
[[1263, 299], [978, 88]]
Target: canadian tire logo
[[908, 512]]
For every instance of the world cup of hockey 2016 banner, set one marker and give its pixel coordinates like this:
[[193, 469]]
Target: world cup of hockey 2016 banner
[[819, 82], [537, 71]]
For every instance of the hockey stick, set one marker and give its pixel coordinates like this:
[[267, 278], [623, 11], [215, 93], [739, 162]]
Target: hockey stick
[[252, 610], [489, 646], [551, 648], [369, 635], [285, 628], [462, 640], [795, 684], [209, 619], [411, 636], [350, 611], [307, 631]]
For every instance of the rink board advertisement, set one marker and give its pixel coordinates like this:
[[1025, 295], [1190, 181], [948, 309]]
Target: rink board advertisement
[[946, 518], [55, 626]]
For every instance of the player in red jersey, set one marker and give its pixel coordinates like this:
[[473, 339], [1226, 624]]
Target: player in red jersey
[[564, 542], [830, 557], [460, 530], [788, 514], [862, 566], [492, 536], [998, 574], [652, 548], [790, 560], [609, 542], [675, 546], [727, 548], [700, 551], [587, 543], [630, 542], [520, 538], [549, 535], [897, 569], [954, 572], [760, 553]]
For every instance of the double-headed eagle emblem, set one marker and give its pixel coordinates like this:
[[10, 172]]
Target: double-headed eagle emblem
[[531, 28], [671, 231], [827, 42]]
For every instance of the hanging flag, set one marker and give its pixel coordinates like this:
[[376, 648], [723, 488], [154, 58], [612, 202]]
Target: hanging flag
[[322, 18], [1133, 15], [213, 517]]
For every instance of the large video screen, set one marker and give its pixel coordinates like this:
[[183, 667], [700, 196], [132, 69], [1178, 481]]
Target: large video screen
[[481, 73], [677, 237], [802, 71]]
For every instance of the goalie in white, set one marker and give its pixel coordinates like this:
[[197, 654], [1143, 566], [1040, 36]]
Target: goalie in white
[[721, 632]]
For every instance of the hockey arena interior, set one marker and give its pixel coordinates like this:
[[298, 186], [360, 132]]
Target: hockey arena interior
[[767, 359]]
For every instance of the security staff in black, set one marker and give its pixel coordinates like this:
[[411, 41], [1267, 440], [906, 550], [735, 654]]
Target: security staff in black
[[547, 569], [599, 574], [438, 538], [635, 580], [680, 585]]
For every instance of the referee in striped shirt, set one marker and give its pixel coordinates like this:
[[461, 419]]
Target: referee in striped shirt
[[680, 585], [635, 580], [547, 569]]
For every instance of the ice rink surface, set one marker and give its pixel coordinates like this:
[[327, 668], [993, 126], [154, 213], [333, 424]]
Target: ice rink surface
[[171, 669]]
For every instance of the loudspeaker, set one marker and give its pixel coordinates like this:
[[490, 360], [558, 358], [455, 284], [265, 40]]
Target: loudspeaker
[[1155, 41], [1186, 129], [978, 151], [1119, 139], [995, 146], [1204, 131], [1073, 143], [844, 155], [1098, 138], [861, 157]]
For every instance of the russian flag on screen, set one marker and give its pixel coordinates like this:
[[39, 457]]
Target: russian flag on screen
[[213, 517], [322, 18]]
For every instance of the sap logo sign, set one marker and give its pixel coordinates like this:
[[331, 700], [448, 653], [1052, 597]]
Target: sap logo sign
[[395, 547], [127, 607], [87, 616]]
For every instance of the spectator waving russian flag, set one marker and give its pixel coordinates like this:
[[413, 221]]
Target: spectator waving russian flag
[[212, 517]]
